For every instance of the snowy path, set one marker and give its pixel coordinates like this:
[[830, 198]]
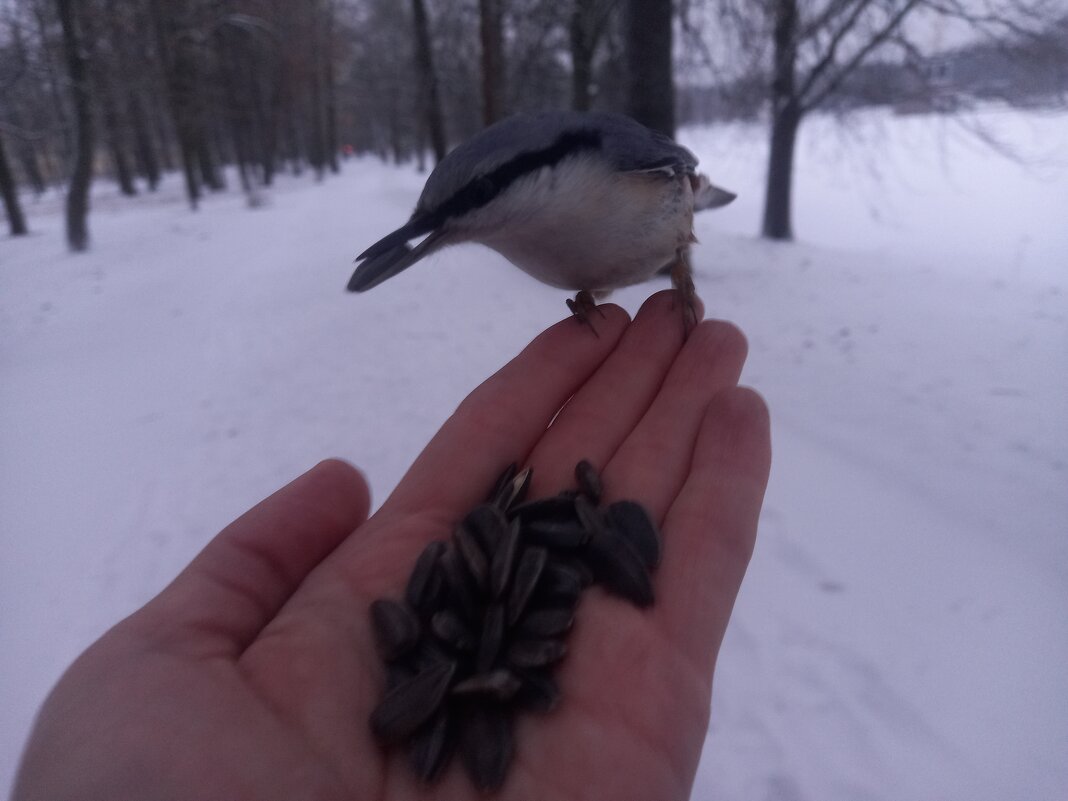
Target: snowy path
[[902, 632]]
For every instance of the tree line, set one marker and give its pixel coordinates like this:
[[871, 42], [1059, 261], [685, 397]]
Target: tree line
[[131, 89]]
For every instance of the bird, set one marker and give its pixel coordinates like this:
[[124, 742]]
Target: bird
[[582, 201]]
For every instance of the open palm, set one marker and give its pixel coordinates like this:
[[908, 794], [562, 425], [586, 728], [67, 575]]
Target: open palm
[[253, 674]]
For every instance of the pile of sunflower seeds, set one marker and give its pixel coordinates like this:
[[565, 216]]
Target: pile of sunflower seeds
[[484, 618]]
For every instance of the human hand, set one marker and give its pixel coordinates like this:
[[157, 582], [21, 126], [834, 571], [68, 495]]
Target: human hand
[[253, 675]]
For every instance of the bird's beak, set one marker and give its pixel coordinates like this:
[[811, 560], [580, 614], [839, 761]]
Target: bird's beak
[[709, 196]]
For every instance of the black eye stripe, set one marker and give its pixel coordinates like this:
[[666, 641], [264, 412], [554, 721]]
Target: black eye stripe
[[480, 191]]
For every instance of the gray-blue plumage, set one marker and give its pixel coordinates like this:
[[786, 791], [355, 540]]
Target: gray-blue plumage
[[627, 145], [586, 201]]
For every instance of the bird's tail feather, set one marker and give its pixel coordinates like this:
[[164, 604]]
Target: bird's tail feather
[[388, 257], [410, 230]]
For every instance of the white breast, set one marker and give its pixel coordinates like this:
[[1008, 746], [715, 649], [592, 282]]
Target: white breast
[[580, 225]]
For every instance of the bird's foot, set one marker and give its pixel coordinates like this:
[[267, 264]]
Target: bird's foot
[[581, 306], [686, 294]]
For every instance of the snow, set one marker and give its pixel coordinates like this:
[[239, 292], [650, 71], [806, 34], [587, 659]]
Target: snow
[[901, 633]]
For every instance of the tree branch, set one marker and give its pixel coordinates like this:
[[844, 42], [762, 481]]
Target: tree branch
[[881, 36], [832, 49]]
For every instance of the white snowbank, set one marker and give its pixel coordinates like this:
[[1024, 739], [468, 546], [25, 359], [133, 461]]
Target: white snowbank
[[902, 632]]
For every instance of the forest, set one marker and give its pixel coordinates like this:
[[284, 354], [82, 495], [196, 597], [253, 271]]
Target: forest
[[125, 90]]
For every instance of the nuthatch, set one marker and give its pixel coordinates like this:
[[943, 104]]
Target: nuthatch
[[581, 201]]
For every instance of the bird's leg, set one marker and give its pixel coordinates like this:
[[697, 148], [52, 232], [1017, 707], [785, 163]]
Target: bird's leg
[[682, 280], [581, 307]]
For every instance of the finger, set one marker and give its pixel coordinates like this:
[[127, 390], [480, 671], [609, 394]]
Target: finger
[[651, 465], [503, 418], [608, 406], [237, 584], [711, 527]]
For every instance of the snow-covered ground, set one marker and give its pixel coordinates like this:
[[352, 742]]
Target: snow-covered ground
[[903, 631]]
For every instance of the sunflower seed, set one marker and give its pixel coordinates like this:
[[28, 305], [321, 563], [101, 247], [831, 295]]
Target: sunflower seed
[[432, 747], [500, 684], [564, 535], [487, 524], [424, 585], [539, 691], [527, 573], [535, 653], [559, 509], [411, 703], [577, 566], [504, 560], [396, 628], [448, 628], [504, 481], [487, 745], [588, 516], [520, 487], [458, 581], [560, 586], [398, 673], [616, 565], [489, 644], [512, 492], [589, 481], [430, 653], [546, 622], [486, 614], [630, 520], [474, 556]]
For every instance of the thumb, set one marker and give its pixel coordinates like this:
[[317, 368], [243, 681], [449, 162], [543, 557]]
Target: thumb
[[237, 584]]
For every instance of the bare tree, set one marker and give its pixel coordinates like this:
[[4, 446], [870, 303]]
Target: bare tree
[[589, 21], [16, 220], [810, 49], [104, 86], [178, 66], [431, 100], [650, 79], [78, 72], [795, 91], [490, 20]]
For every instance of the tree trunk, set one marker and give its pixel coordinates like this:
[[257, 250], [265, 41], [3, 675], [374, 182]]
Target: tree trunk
[[78, 194], [581, 55], [209, 167], [269, 112], [317, 138], [492, 61], [16, 221], [424, 55], [147, 161], [115, 139], [777, 217], [650, 85], [330, 91], [52, 70], [178, 72], [164, 134], [26, 153], [230, 53], [785, 119]]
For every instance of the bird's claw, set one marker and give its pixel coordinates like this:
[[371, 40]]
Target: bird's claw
[[687, 295], [581, 306]]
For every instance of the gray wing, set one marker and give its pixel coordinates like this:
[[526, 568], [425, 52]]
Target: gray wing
[[634, 148], [627, 144]]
